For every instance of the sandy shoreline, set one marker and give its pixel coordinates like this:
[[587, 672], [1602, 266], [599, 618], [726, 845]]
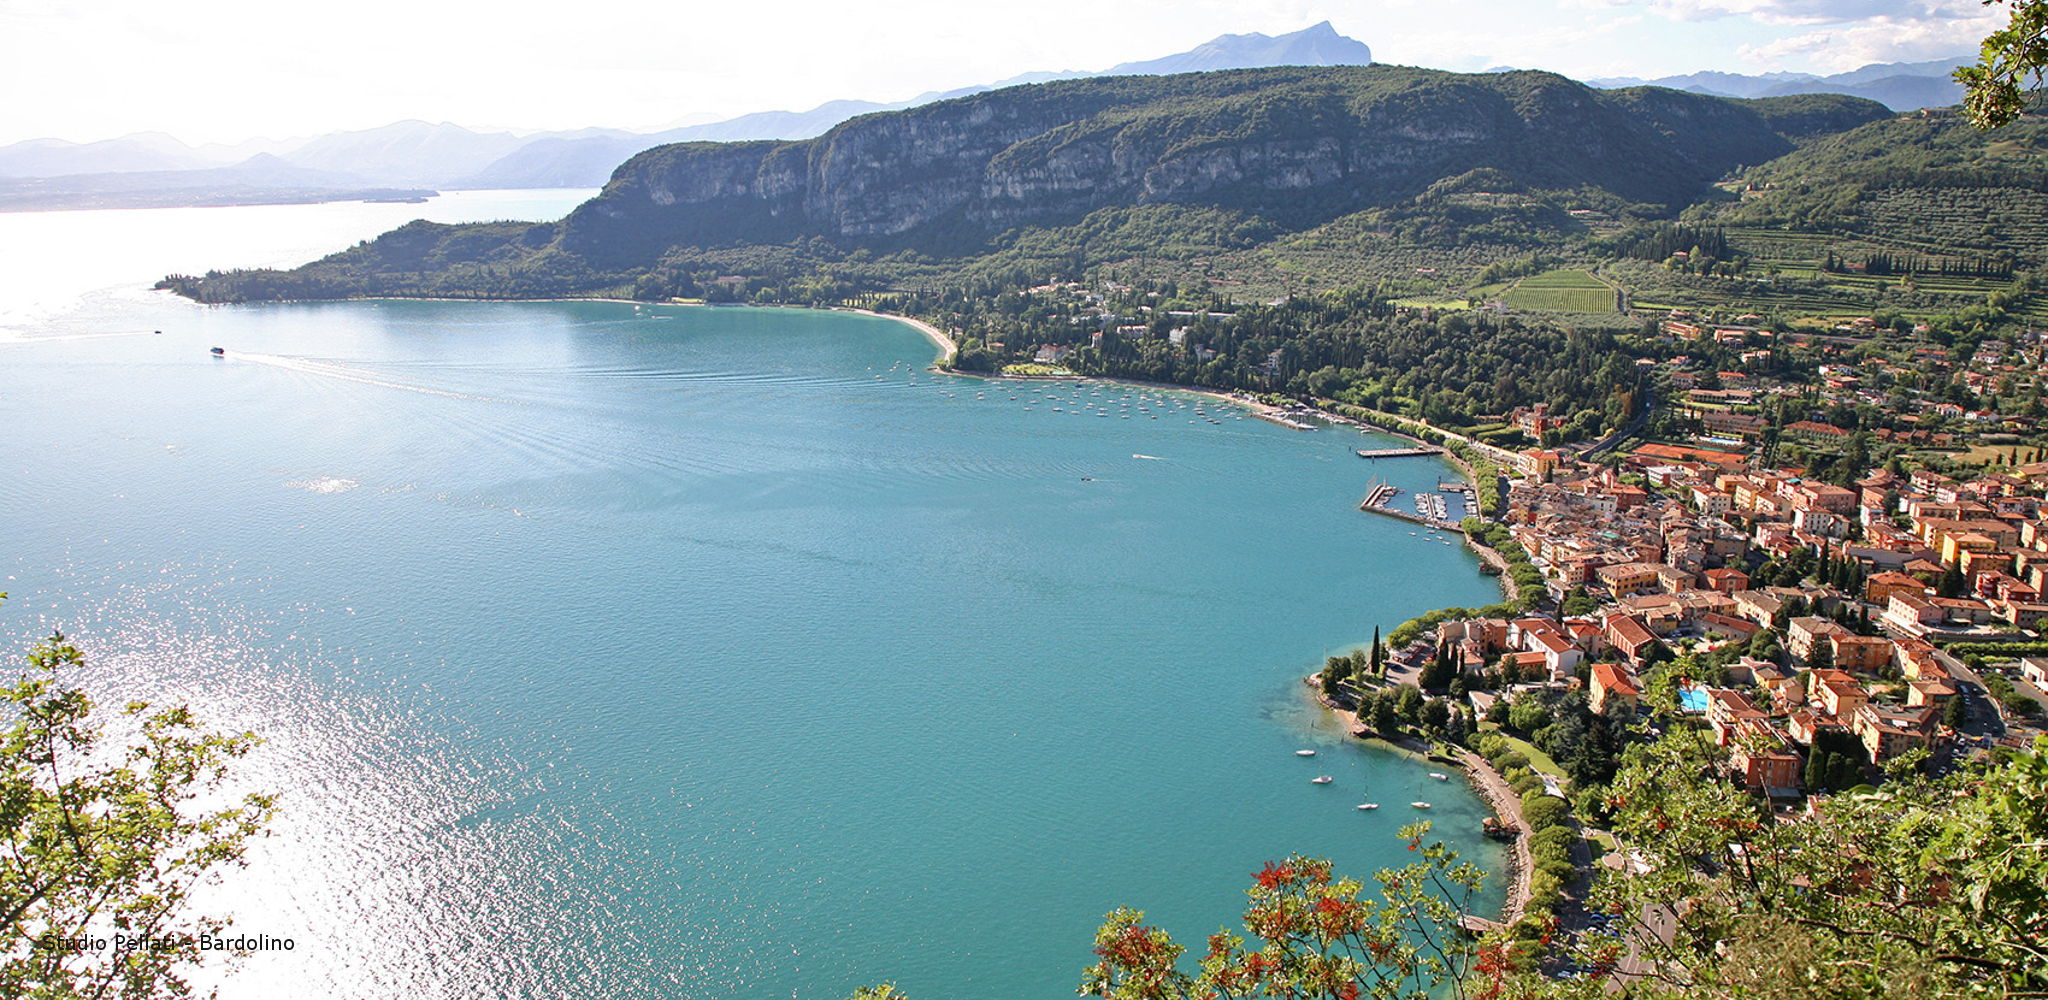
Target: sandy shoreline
[[931, 333]]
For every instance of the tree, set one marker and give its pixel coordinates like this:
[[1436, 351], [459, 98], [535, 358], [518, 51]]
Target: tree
[[1528, 714], [1379, 654], [106, 843], [1436, 714], [1309, 933], [1955, 713], [1821, 655], [2009, 67], [1336, 670], [1437, 674], [1935, 887]]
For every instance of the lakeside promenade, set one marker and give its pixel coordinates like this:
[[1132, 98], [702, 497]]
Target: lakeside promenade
[[1521, 866]]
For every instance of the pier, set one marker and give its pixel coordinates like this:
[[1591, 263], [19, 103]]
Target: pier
[[1398, 452], [1284, 420], [1479, 926], [1380, 497]]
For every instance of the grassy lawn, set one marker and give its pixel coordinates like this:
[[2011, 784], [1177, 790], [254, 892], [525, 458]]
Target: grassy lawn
[[1428, 303], [1566, 290], [1538, 760]]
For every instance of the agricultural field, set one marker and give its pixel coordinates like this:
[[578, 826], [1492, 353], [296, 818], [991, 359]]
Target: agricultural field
[[1997, 454], [1565, 290]]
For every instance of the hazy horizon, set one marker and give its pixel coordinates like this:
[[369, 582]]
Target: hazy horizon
[[231, 72]]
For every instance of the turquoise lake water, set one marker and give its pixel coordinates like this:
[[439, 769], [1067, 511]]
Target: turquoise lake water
[[618, 651]]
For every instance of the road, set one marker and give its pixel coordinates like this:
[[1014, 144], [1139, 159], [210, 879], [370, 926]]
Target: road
[[1985, 717], [1634, 426]]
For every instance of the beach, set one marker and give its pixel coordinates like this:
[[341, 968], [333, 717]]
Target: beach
[[932, 333]]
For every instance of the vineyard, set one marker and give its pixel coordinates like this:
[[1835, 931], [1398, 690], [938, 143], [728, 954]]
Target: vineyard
[[1567, 290]]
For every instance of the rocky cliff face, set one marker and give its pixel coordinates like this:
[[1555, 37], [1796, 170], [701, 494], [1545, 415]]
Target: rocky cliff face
[[1285, 142]]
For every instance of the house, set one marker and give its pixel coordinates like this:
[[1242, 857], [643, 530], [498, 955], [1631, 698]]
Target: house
[[1802, 633], [1759, 606], [1629, 636], [1727, 707], [1757, 752], [1727, 581], [1738, 629], [1880, 588], [1912, 612], [2035, 670], [1886, 734], [1612, 685], [1860, 654], [1936, 693], [1623, 579], [1785, 686], [1560, 655], [1837, 692], [1805, 725]]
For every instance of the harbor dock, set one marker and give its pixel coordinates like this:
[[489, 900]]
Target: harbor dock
[[1397, 452]]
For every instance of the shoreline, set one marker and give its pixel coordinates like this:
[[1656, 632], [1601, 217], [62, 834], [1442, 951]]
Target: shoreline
[[947, 348], [1483, 780], [1521, 863]]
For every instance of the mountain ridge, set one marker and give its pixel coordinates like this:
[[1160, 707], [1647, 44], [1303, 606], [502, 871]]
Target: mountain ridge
[[1261, 151]]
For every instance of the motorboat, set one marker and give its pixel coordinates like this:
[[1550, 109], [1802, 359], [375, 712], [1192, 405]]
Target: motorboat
[[219, 352], [1368, 805], [1304, 753], [1439, 775], [1419, 805], [1321, 779]]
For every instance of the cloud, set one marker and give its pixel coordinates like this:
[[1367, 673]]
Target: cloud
[[1877, 40], [1801, 12]]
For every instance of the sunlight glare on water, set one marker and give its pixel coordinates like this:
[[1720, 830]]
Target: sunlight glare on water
[[652, 651]]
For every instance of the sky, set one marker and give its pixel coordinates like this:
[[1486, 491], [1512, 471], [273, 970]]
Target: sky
[[230, 70]]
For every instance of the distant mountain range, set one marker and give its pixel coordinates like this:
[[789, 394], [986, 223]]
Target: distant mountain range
[[414, 155], [1899, 86]]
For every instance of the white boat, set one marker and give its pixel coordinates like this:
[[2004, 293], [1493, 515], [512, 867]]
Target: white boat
[[1304, 753], [1419, 805], [1440, 776], [1368, 805], [1321, 779]]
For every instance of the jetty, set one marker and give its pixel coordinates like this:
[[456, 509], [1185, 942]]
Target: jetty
[[1284, 420], [1378, 497], [1479, 926], [1398, 452]]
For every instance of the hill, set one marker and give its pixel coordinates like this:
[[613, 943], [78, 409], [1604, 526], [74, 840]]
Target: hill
[[1931, 181], [1075, 172]]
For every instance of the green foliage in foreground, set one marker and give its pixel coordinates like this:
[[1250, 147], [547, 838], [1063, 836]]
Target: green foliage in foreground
[[106, 843], [1927, 887]]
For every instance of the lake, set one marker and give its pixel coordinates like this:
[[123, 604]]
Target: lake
[[663, 651]]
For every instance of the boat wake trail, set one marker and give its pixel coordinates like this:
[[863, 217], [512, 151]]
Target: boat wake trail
[[329, 369]]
